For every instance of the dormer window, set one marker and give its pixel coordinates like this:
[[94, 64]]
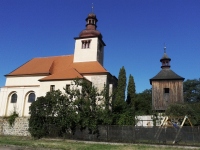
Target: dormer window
[[86, 44]]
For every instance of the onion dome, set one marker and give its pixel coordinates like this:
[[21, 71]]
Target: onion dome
[[165, 60], [91, 26]]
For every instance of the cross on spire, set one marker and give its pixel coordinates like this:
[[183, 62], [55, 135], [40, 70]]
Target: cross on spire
[[165, 48], [92, 8]]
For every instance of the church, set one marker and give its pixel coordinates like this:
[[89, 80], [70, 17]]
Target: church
[[43, 74]]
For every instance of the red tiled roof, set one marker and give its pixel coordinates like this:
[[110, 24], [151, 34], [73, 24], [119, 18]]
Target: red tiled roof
[[58, 68], [89, 67], [70, 73]]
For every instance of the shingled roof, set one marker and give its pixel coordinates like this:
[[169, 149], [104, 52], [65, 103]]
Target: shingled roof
[[166, 74], [58, 68]]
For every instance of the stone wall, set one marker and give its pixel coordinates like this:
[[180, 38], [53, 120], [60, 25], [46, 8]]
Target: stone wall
[[19, 128]]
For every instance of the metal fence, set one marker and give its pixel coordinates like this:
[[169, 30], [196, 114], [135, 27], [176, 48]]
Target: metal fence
[[186, 135]]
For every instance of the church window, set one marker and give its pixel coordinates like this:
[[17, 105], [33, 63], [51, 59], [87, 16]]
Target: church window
[[86, 44], [31, 97], [52, 88], [14, 98], [67, 87], [166, 90]]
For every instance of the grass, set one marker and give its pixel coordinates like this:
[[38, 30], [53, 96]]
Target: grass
[[75, 145]]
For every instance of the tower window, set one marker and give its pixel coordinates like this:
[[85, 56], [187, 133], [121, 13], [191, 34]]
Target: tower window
[[86, 44], [52, 88], [14, 98], [166, 90]]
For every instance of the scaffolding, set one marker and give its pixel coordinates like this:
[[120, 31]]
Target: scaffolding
[[176, 122]]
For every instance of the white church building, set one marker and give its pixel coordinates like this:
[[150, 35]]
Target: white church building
[[40, 75]]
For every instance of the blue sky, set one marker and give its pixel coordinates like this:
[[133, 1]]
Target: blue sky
[[134, 32]]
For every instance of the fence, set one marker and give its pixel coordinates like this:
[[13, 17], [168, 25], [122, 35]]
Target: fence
[[130, 134]]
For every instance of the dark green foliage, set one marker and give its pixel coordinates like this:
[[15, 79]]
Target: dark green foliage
[[38, 118], [87, 108], [127, 117], [143, 103], [119, 104], [76, 109], [190, 110], [119, 101], [105, 114], [124, 112], [12, 117], [131, 91], [191, 89], [53, 109]]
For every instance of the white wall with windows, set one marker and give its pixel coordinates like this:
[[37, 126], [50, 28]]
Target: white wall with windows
[[46, 86], [19, 96], [17, 99]]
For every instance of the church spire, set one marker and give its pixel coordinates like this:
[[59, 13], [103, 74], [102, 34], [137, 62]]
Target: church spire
[[91, 25], [165, 60]]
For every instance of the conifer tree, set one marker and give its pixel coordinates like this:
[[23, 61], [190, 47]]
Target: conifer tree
[[131, 91], [119, 102]]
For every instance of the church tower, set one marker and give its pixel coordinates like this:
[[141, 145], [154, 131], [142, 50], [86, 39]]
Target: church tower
[[167, 86], [89, 46]]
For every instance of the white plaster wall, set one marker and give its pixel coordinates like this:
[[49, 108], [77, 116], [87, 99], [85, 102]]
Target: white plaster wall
[[21, 106], [45, 86], [23, 86], [29, 80], [88, 54]]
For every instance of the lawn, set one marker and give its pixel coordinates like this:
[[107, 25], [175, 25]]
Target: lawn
[[76, 145]]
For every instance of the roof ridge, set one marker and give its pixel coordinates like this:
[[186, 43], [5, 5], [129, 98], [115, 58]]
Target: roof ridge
[[53, 56]]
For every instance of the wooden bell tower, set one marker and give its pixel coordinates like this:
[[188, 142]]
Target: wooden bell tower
[[167, 86]]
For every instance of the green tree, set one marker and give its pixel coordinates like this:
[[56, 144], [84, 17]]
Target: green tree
[[119, 101], [106, 111], [143, 104], [86, 99], [180, 110], [128, 116], [131, 91], [54, 109], [80, 107], [191, 89]]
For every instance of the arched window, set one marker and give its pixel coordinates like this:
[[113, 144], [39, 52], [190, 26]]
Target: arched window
[[31, 97], [14, 98]]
